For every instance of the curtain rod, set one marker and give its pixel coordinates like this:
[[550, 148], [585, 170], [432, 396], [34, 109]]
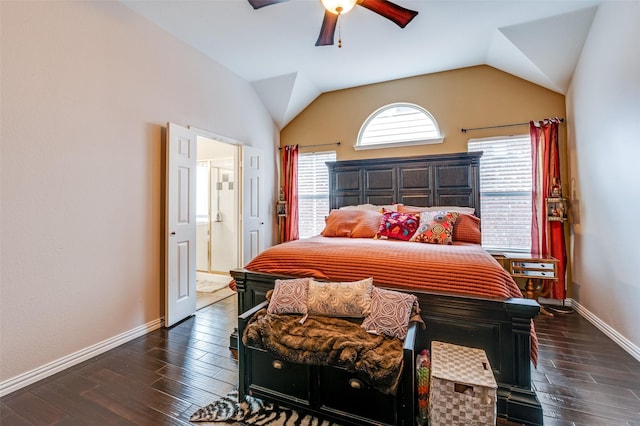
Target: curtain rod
[[463, 130], [316, 145]]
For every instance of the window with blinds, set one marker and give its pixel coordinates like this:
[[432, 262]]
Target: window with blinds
[[313, 192], [505, 192], [398, 124]]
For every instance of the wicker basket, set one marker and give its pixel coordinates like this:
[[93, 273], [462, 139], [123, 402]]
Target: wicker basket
[[463, 389]]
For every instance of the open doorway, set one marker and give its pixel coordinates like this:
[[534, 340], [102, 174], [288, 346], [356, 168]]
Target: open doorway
[[249, 234], [217, 219]]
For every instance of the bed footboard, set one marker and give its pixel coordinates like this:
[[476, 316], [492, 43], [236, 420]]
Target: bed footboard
[[502, 328]]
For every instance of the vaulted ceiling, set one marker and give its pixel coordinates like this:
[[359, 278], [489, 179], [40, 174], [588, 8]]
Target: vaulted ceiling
[[273, 47]]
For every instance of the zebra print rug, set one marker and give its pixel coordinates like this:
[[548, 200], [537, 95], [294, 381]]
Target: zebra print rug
[[253, 411]]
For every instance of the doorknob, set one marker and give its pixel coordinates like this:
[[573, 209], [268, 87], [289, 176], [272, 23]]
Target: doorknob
[[172, 234]]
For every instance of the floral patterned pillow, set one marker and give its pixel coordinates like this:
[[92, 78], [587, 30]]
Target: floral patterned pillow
[[289, 297], [335, 299], [397, 226], [435, 228], [390, 313]]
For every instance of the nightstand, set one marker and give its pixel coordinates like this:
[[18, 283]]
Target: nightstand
[[540, 272]]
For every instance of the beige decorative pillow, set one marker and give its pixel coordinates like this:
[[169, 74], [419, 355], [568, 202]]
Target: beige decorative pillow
[[289, 296], [340, 299], [390, 313]]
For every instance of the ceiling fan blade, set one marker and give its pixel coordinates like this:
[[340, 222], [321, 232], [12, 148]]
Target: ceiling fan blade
[[328, 29], [257, 4], [391, 11]]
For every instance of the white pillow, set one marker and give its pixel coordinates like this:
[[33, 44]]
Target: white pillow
[[456, 209], [373, 207]]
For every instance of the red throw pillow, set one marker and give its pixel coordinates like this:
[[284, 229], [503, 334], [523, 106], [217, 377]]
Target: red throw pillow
[[397, 226]]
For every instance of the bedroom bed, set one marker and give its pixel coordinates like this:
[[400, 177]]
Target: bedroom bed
[[465, 296]]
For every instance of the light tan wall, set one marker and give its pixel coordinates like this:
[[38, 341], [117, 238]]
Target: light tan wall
[[603, 104], [464, 98], [86, 90]]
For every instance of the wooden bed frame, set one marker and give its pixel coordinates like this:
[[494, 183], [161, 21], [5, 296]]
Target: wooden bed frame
[[500, 327]]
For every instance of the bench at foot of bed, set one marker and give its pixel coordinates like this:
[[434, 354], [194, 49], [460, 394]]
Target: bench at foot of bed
[[329, 392]]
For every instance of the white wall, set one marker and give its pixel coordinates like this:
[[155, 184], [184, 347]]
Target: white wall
[[603, 110], [86, 90]]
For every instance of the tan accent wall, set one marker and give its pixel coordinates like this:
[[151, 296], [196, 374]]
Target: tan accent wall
[[464, 98]]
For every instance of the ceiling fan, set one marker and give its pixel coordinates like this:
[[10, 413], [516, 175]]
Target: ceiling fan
[[334, 8]]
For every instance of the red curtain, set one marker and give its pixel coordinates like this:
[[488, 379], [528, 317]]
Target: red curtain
[[547, 239], [290, 165]]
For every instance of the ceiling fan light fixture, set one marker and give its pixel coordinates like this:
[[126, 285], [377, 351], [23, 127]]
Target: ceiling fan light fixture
[[338, 7]]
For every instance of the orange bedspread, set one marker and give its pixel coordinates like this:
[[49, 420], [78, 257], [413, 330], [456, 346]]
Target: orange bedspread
[[461, 269]]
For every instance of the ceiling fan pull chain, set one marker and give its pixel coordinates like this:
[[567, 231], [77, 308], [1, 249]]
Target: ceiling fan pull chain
[[339, 33]]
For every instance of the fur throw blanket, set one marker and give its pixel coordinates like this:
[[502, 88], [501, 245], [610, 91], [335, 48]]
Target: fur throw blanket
[[376, 359]]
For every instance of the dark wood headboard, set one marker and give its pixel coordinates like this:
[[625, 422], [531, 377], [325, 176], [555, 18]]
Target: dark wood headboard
[[433, 180]]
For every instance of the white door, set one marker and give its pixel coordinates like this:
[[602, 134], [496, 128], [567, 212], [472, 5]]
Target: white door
[[180, 243], [252, 208]]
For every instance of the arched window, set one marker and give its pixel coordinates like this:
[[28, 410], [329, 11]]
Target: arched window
[[398, 124]]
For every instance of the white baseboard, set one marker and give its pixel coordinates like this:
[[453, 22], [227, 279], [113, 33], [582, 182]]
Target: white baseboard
[[622, 341], [22, 380]]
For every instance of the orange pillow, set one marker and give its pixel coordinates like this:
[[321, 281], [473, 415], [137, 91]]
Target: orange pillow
[[467, 229], [352, 224]]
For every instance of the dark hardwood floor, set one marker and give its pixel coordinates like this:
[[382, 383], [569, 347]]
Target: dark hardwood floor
[[583, 378]]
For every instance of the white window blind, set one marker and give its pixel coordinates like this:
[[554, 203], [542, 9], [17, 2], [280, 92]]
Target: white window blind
[[398, 124], [313, 192], [505, 192]]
